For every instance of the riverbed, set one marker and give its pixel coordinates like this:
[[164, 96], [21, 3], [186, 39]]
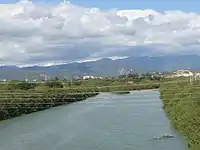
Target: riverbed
[[104, 122]]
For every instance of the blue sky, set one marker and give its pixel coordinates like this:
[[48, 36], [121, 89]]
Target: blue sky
[[184, 5]]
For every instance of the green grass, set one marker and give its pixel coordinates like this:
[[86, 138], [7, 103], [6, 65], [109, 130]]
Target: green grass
[[16, 103], [182, 104], [18, 98]]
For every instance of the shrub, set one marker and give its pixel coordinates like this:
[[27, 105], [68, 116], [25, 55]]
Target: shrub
[[54, 84]]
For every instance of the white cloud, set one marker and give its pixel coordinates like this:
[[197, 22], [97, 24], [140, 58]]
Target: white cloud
[[50, 34]]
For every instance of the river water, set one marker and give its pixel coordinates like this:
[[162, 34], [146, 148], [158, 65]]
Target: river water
[[105, 122]]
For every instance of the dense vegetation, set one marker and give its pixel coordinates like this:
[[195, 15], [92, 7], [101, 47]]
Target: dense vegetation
[[182, 104], [130, 81], [17, 98], [18, 102], [96, 87]]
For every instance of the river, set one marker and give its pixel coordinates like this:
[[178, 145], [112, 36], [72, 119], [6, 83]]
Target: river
[[105, 122]]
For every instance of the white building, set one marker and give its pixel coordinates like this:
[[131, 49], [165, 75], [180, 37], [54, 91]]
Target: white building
[[91, 77], [88, 77], [183, 73]]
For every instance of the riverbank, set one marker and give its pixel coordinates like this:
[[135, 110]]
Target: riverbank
[[182, 105], [116, 88], [15, 103], [121, 92]]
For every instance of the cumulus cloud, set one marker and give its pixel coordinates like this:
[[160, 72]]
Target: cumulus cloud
[[47, 34]]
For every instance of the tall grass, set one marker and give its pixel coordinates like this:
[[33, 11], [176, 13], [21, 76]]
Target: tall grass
[[182, 104], [23, 98], [14, 103]]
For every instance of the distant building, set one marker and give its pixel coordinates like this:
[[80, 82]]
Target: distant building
[[76, 77], [183, 73], [88, 77], [168, 75], [4, 80], [91, 77], [178, 73]]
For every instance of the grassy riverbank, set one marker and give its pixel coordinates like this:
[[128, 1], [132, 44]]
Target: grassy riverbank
[[130, 87], [182, 104], [18, 102], [18, 98]]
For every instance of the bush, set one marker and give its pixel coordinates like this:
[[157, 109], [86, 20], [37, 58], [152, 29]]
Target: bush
[[20, 86], [54, 84], [181, 102], [18, 102], [25, 86]]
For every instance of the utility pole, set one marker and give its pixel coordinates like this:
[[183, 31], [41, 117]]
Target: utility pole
[[195, 76], [192, 76], [69, 78], [191, 79]]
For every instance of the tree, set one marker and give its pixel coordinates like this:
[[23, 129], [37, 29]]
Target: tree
[[133, 75], [23, 86], [56, 78], [54, 84]]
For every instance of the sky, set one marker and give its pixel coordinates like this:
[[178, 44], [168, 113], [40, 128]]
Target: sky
[[49, 32], [159, 5]]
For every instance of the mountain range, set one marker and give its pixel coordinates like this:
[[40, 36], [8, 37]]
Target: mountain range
[[104, 67]]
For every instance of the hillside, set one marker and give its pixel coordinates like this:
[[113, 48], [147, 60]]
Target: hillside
[[105, 67]]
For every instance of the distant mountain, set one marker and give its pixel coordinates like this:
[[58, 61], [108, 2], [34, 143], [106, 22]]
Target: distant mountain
[[104, 67]]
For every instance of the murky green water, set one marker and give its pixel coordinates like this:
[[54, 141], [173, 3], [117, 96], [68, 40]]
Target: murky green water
[[106, 122]]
